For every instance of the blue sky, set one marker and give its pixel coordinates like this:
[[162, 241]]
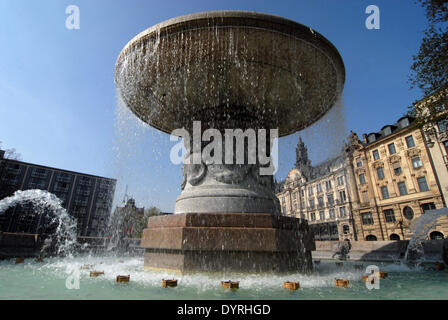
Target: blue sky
[[58, 103]]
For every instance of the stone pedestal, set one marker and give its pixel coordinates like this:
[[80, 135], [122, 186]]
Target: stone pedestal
[[217, 242]]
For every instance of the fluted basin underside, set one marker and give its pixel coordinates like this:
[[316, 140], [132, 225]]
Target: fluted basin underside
[[229, 69]]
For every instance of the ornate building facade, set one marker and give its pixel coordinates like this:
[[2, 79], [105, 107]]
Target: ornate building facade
[[321, 194], [436, 135], [395, 182]]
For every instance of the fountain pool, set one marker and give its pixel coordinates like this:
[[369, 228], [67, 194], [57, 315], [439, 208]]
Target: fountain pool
[[47, 280]]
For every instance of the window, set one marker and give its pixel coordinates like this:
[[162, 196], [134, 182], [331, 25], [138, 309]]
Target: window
[[443, 125], [340, 180], [295, 206], [416, 162], [313, 216], [311, 203], [404, 122], [389, 215], [63, 177], [342, 212], [321, 215], [391, 148], [358, 163], [385, 192], [320, 201], [284, 210], [375, 154], [330, 199], [380, 173], [394, 236], [319, 188], [371, 237], [283, 200], [345, 229], [367, 218], [85, 181], [328, 185], [342, 196], [362, 178], [428, 206], [397, 170], [410, 141], [402, 188], [365, 196], [294, 195], [436, 235], [408, 213], [387, 131], [310, 191], [332, 214], [39, 173], [422, 185]]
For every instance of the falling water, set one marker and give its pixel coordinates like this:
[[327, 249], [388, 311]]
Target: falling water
[[420, 229], [44, 202]]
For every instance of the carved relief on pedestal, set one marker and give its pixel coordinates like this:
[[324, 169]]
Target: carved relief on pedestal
[[229, 173], [232, 174], [192, 173]]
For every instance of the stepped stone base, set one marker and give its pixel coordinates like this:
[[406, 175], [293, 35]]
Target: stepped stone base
[[236, 242]]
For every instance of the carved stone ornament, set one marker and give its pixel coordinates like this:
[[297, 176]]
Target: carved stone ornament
[[443, 136], [378, 164], [413, 152], [394, 158], [193, 173]]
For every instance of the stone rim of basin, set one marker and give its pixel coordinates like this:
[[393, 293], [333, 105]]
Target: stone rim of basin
[[308, 89]]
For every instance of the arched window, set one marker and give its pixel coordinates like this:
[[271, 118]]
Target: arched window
[[436, 235], [345, 229], [408, 213], [371, 237], [394, 236]]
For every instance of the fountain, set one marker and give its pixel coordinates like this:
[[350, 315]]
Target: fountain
[[47, 204], [228, 70], [420, 228]]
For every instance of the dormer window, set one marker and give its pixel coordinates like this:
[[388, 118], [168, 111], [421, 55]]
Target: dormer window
[[443, 125], [371, 138], [404, 122], [387, 131]]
